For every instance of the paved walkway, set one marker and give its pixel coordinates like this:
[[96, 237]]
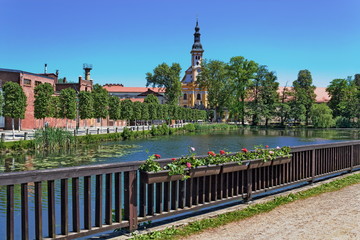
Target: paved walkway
[[333, 215]]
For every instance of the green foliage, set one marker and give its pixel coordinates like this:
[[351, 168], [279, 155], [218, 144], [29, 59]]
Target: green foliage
[[137, 111], [114, 108], [68, 103], [86, 105], [50, 138], [190, 127], [43, 105], [150, 165], [152, 99], [304, 93], [145, 112], [153, 111], [127, 109], [1, 103], [101, 101], [55, 107], [167, 77], [14, 100], [321, 116]]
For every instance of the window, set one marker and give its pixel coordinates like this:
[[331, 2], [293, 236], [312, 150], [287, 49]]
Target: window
[[37, 83], [27, 82], [185, 96], [198, 97]]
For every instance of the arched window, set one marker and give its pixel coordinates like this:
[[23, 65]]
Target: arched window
[[198, 97], [185, 96]]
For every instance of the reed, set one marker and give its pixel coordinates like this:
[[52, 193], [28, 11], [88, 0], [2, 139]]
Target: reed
[[50, 138]]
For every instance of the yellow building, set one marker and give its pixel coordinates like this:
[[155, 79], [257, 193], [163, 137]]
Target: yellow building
[[192, 95]]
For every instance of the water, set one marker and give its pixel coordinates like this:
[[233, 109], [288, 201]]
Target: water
[[166, 146]]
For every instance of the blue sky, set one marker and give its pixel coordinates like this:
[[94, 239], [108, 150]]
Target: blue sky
[[125, 39]]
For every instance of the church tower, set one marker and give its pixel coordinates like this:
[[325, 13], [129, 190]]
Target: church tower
[[192, 95]]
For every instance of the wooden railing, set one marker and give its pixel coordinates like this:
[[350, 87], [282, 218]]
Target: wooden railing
[[98, 198]]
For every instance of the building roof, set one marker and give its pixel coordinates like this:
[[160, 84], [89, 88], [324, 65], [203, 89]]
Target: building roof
[[20, 71], [117, 88], [149, 91], [321, 94]]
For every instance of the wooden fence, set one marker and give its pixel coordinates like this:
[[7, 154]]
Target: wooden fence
[[73, 202]]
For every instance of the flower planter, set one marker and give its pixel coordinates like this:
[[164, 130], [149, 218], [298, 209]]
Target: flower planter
[[156, 177], [202, 171], [281, 160], [233, 167]]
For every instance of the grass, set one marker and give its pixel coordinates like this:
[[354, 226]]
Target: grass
[[222, 219]]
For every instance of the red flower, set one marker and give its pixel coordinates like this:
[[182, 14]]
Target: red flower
[[222, 152], [244, 150], [267, 146], [188, 165], [157, 156], [211, 153], [173, 159]]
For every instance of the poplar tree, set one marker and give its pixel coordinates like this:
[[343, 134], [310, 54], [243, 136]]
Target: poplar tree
[[43, 101], [68, 104], [14, 102], [86, 105], [126, 110], [137, 111], [101, 102], [114, 108], [151, 98]]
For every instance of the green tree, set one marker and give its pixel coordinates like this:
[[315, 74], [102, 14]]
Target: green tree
[[153, 111], [338, 90], [304, 92], [321, 116], [127, 110], [167, 77], [137, 111], [283, 108], [241, 72], [43, 101], [215, 78], [151, 98], [145, 112], [1, 103], [101, 102], [269, 97], [68, 104], [86, 105], [55, 108], [114, 108], [14, 102]]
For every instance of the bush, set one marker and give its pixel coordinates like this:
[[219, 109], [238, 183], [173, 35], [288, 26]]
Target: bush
[[342, 122], [321, 116]]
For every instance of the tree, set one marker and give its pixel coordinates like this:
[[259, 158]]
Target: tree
[[68, 104], [269, 97], [1, 103], [55, 108], [241, 72], [283, 107], [101, 102], [168, 78], [14, 102], [114, 108], [137, 111], [151, 98], [153, 112], [321, 116], [43, 101], [127, 110], [338, 90], [304, 92], [86, 105], [214, 78], [145, 112]]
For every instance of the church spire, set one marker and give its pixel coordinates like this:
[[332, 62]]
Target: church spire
[[197, 44]]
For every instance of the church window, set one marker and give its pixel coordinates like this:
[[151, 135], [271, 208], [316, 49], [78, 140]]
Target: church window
[[198, 97], [185, 96]]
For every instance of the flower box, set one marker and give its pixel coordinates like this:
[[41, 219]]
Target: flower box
[[257, 163], [156, 177], [281, 160], [202, 171], [233, 167]]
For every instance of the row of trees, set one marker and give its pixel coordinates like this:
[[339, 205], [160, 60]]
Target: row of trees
[[99, 104]]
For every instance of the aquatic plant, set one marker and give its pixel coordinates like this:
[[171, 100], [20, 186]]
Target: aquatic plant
[[50, 138]]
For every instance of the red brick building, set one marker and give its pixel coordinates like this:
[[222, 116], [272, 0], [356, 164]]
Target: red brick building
[[28, 81]]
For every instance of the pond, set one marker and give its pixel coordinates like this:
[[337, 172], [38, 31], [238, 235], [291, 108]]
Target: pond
[[174, 146]]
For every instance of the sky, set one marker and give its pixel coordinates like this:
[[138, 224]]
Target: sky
[[125, 39]]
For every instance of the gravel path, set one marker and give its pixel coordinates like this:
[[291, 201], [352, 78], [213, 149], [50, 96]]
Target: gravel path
[[334, 215]]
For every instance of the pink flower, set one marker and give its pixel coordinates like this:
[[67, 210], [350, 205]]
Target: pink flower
[[188, 165], [278, 147], [271, 152], [157, 156], [244, 150], [192, 149], [211, 153], [173, 159], [222, 152], [267, 146]]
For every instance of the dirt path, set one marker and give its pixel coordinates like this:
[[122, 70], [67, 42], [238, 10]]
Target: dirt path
[[333, 215]]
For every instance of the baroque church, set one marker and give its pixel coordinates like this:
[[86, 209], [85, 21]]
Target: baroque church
[[192, 95]]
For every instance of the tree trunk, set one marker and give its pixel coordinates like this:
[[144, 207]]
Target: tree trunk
[[67, 124], [101, 125], [13, 128], [19, 124]]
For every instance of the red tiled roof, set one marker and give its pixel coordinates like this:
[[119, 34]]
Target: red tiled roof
[[121, 89], [321, 94]]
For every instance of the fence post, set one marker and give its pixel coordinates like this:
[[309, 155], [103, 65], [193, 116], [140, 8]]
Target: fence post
[[25, 135], [87, 131], [98, 131], [352, 158], [313, 166], [248, 185], [116, 129], [130, 199], [3, 137], [108, 130]]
